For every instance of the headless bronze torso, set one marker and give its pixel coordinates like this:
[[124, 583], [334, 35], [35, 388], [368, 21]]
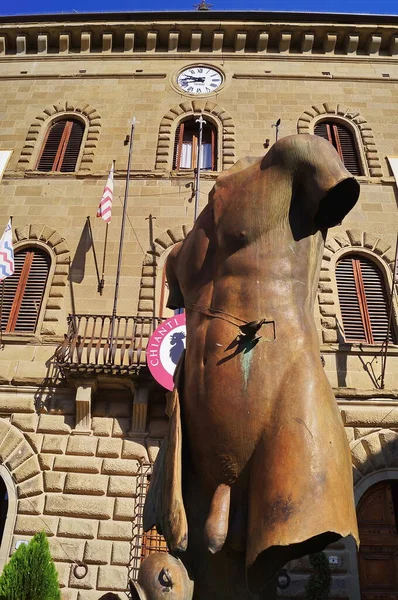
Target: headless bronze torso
[[266, 471]]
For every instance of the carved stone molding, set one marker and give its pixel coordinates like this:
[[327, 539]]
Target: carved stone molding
[[59, 251], [168, 125], [305, 124], [351, 241], [66, 108], [373, 450], [261, 33], [146, 301], [20, 459]]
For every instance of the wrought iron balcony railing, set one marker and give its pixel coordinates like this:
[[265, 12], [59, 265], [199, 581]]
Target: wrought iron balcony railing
[[93, 345]]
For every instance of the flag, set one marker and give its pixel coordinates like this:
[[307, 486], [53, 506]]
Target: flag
[[105, 206], [6, 253]]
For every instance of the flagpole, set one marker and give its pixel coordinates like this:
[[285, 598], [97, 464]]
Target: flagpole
[[201, 122], [394, 281], [102, 281], [119, 260], [93, 247]]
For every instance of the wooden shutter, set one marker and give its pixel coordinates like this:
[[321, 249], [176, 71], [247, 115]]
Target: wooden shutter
[[343, 141], [363, 301], [61, 147], [24, 291], [72, 148], [178, 146]]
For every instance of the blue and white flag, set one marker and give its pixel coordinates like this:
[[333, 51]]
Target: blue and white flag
[[6, 253]]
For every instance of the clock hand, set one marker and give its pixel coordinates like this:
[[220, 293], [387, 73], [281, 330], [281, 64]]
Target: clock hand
[[193, 79]]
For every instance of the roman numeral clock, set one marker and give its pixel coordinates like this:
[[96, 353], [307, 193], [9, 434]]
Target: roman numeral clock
[[199, 80]]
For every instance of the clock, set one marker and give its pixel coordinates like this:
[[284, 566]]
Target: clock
[[199, 80]]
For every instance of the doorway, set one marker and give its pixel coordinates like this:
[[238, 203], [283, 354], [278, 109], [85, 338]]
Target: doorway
[[378, 532]]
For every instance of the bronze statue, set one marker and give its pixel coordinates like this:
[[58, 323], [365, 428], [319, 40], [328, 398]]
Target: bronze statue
[[256, 469]]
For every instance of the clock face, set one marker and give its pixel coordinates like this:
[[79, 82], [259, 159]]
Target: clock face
[[199, 80]]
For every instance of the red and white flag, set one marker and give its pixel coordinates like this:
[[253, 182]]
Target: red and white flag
[[105, 206], [6, 253]]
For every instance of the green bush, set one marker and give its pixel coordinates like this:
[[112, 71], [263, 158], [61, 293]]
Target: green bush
[[318, 585], [30, 574]]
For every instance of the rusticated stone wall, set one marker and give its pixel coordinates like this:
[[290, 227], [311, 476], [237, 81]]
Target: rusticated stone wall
[[79, 489]]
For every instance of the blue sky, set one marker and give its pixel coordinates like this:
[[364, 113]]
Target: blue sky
[[19, 7]]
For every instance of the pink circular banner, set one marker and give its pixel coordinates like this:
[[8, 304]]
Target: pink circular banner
[[164, 349]]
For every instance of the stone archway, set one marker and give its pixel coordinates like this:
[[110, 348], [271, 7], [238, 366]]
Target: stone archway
[[146, 300], [373, 450], [350, 240], [357, 122], [165, 144], [20, 459], [21, 473], [67, 108]]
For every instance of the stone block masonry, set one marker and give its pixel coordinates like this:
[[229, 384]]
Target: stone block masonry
[[80, 489], [84, 489]]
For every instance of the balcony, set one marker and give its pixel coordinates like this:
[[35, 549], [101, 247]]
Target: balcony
[[93, 346]]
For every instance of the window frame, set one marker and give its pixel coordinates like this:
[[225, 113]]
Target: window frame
[[28, 335], [358, 252], [177, 145], [331, 118], [42, 140]]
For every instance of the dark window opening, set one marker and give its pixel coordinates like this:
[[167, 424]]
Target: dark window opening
[[3, 507], [342, 139], [363, 301], [186, 146], [61, 146], [22, 294]]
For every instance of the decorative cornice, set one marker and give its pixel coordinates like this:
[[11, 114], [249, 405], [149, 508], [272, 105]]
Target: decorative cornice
[[218, 37]]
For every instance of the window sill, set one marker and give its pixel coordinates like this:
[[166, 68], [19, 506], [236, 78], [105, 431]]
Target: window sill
[[18, 338], [190, 174], [358, 348]]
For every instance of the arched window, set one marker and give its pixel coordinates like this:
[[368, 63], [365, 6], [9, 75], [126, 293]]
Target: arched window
[[363, 301], [21, 295], [343, 141], [61, 146], [186, 146]]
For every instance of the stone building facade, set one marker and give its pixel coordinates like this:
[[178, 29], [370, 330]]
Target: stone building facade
[[78, 434]]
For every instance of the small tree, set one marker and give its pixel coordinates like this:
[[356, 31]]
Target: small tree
[[318, 585], [30, 574]]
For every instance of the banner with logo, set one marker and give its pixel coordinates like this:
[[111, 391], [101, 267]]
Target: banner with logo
[[164, 349]]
